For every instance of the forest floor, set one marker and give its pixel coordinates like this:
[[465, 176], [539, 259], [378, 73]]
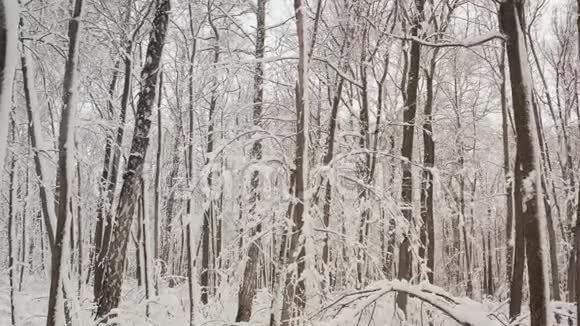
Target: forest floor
[[171, 308]]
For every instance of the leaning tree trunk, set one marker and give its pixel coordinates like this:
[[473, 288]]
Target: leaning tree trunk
[[528, 185], [108, 185], [405, 257], [103, 205], [8, 55], [36, 141], [65, 169], [249, 281], [114, 262]]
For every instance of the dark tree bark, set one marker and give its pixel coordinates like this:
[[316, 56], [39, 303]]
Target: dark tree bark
[[391, 224], [528, 184], [190, 112], [517, 276], [489, 275], [249, 282], [507, 168], [428, 226], [65, 175], [11, 267], [364, 164], [553, 254], [294, 294], [138, 244], [24, 226], [410, 100], [144, 245], [116, 254], [190, 277]]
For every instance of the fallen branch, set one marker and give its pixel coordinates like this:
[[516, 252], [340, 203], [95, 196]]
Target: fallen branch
[[464, 312]]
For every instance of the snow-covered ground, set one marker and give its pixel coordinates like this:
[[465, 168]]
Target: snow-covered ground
[[171, 308]]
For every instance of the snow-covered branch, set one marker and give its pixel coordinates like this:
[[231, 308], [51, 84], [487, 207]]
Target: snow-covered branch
[[467, 43]]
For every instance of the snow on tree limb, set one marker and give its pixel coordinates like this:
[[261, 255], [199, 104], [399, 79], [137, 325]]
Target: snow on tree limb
[[466, 43], [462, 310]]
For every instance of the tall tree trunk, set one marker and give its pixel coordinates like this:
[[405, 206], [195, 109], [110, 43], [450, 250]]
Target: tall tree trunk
[[489, 275], [170, 209], [294, 296], [363, 164], [511, 18], [428, 226], [507, 168], [190, 277], [209, 252], [463, 223], [326, 160], [392, 224], [190, 115], [103, 205], [36, 141], [11, 267], [144, 245], [115, 260], [553, 254], [138, 244], [577, 227], [328, 189], [249, 281], [65, 169], [79, 230], [24, 226], [484, 278], [157, 203], [517, 276], [8, 57], [405, 257]]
